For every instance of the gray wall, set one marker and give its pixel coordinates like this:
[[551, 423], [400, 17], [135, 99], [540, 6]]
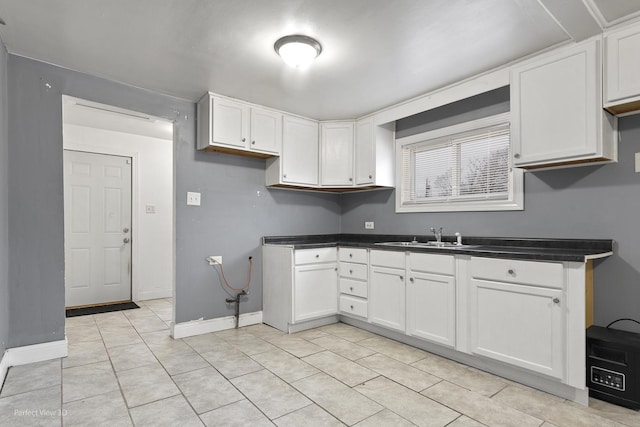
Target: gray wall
[[600, 202], [236, 207], [4, 212]]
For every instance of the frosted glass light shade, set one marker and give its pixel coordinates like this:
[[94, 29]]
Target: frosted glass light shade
[[298, 51]]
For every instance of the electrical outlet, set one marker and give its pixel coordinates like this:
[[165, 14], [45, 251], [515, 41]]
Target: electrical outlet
[[369, 225], [215, 259], [151, 209], [193, 199]]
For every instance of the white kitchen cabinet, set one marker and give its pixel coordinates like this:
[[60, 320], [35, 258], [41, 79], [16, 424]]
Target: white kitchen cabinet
[[431, 298], [336, 148], [387, 291], [517, 313], [236, 127], [353, 282], [300, 287], [556, 110], [622, 68], [374, 153], [297, 165]]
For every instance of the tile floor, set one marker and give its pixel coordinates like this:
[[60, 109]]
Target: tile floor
[[123, 369]]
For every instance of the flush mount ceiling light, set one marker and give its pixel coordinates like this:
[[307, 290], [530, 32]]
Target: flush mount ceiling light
[[298, 51]]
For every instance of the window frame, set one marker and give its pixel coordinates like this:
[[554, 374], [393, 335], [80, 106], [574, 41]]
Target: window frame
[[514, 201]]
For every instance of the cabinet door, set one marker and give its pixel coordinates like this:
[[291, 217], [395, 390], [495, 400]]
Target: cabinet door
[[266, 130], [431, 307], [518, 324], [230, 123], [387, 297], [299, 151], [555, 107], [622, 52], [315, 292], [337, 153], [364, 152]]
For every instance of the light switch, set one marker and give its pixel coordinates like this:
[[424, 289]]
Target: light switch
[[637, 162], [150, 209], [193, 199]]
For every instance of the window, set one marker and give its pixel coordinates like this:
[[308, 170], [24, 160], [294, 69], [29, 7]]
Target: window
[[465, 167]]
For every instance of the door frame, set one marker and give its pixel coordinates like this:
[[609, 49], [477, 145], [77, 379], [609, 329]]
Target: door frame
[[111, 151]]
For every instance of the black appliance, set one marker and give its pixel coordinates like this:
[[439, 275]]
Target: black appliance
[[613, 366]]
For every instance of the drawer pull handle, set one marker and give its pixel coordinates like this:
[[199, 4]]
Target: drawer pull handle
[[350, 271], [401, 277], [317, 256], [351, 307], [556, 300], [350, 255], [511, 271], [351, 288], [411, 279]]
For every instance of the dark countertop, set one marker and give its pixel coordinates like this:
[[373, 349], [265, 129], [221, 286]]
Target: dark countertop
[[578, 250]]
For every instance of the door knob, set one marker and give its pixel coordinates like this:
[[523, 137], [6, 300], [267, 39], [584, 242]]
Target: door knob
[[126, 240], [125, 230]]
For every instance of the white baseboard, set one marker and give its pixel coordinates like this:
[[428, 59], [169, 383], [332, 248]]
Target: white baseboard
[[155, 294], [198, 327], [31, 354]]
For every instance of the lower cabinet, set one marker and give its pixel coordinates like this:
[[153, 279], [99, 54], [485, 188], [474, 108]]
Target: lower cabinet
[[387, 298], [431, 307], [315, 291], [517, 323]]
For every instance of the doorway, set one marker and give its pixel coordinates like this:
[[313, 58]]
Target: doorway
[[97, 203]]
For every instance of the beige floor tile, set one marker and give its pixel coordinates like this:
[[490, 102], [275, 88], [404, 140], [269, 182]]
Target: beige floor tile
[[206, 389], [88, 332], [309, 416], [284, 365], [296, 346], [263, 331], [146, 384], [84, 353], [464, 376], [163, 313], [160, 343], [235, 367], [206, 342], [239, 414], [613, 412], [385, 418], [85, 381], [148, 324], [33, 376], [183, 362], [407, 403], [573, 415], [270, 394], [115, 319], [527, 400], [393, 349], [465, 421], [102, 410], [399, 372], [223, 352], [253, 345], [479, 407], [137, 313], [339, 400], [131, 356], [344, 348], [310, 334], [79, 321], [34, 408], [340, 368], [347, 332], [118, 336], [170, 412]]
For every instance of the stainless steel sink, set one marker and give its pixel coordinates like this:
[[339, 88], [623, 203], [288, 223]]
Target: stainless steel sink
[[429, 244]]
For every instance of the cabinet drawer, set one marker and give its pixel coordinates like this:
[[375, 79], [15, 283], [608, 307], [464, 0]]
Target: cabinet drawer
[[353, 287], [311, 256], [432, 263], [390, 259], [352, 305], [358, 255], [545, 274], [353, 271]]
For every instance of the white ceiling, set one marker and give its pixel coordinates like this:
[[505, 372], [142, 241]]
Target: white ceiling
[[375, 52]]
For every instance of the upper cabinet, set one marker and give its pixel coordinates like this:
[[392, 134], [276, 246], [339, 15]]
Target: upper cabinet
[[556, 110], [336, 148], [236, 127], [374, 153], [622, 70], [298, 164]]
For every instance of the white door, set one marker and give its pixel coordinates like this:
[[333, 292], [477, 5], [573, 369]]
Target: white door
[[97, 223]]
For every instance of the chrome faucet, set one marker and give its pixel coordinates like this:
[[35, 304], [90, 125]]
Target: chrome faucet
[[437, 233]]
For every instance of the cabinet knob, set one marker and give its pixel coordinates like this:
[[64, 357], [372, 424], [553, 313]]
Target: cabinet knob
[[351, 307], [516, 156], [350, 255], [284, 175], [253, 142], [411, 279], [335, 269], [351, 288], [317, 256], [511, 271], [350, 179], [556, 300], [370, 176], [350, 271], [244, 139], [401, 277]]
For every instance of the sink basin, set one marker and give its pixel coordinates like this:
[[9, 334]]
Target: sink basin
[[429, 244]]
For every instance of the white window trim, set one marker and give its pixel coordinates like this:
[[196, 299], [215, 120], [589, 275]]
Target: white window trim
[[515, 202]]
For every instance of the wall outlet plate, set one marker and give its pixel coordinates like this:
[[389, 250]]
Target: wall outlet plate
[[215, 259], [193, 199], [369, 225]]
